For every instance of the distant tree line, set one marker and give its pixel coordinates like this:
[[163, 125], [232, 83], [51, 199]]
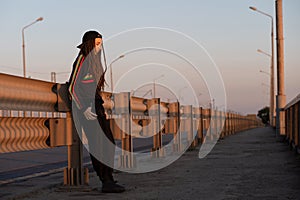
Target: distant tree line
[[263, 114]]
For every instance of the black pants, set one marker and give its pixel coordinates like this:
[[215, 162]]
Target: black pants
[[101, 142]]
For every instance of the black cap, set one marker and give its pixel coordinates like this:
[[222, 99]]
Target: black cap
[[89, 35]]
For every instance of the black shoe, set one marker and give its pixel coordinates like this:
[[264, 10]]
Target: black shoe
[[112, 187], [115, 181]]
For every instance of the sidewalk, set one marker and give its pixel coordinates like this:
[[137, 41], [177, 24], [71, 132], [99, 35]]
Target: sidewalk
[[249, 165]]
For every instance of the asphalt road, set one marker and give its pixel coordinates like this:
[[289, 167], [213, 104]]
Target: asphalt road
[[248, 165], [20, 165]]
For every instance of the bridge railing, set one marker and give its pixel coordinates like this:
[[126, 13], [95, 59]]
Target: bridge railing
[[130, 117], [292, 120]]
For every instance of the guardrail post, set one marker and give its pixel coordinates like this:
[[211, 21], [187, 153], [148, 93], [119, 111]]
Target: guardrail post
[[186, 125], [237, 119], [155, 127], [288, 122], [198, 125], [122, 109], [213, 127], [74, 173], [209, 124], [201, 124], [222, 129], [228, 124], [241, 123], [237, 123], [231, 123], [292, 125], [219, 122], [206, 121], [227, 121], [295, 126], [234, 118], [173, 125]]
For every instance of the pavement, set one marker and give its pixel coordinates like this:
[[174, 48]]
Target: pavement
[[24, 164], [248, 165]]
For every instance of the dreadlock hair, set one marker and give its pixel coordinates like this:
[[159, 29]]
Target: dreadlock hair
[[93, 60]]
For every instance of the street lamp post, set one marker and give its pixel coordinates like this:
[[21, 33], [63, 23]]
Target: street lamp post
[[53, 77], [272, 90], [198, 98], [179, 92], [23, 43], [272, 95], [149, 91], [280, 98], [264, 84], [271, 86], [111, 73], [54, 74], [264, 72], [154, 92]]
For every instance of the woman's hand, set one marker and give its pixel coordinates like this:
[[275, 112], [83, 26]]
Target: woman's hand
[[89, 115]]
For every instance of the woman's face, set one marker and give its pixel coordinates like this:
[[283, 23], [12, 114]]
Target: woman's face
[[98, 43]]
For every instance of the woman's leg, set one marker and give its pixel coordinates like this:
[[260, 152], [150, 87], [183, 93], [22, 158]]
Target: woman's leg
[[107, 168]]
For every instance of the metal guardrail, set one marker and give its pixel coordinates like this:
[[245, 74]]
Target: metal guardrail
[[292, 120], [28, 133], [129, 117], [22, 134], [18, 93]]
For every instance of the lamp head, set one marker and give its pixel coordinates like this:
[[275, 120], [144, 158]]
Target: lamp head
[[39, 19], [253, 8]]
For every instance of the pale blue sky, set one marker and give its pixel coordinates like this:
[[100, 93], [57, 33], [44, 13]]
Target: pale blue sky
[[228, 30]]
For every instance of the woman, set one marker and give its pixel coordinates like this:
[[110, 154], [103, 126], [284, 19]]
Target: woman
[[86, 82]]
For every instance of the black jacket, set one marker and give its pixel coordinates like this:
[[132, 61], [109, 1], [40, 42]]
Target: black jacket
[[83, 83]]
